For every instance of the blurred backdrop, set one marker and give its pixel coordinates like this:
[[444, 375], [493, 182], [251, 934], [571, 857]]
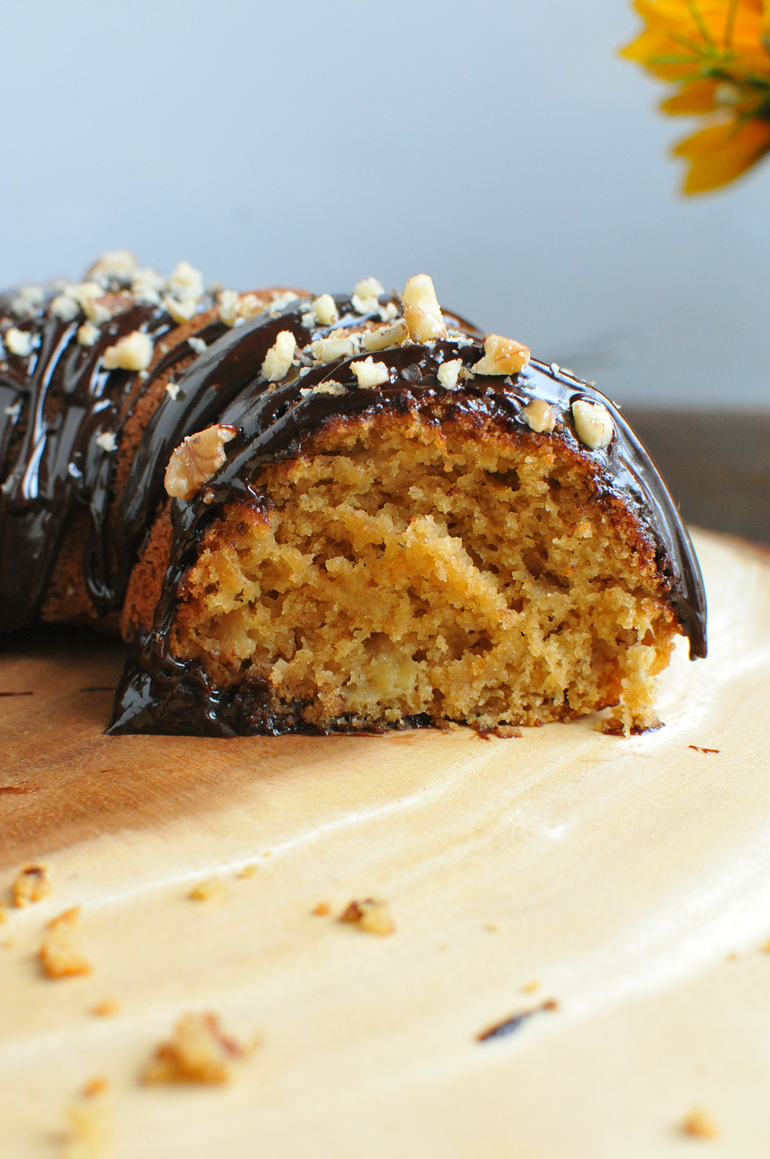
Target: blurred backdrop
[[499, 145]]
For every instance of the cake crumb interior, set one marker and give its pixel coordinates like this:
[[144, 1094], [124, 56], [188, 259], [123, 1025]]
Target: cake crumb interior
[[405, 567]]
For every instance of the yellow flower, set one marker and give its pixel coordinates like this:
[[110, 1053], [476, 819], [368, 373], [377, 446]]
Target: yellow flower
[[717, 55], [718, 154]]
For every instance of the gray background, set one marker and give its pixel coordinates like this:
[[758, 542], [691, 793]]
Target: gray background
[[501, 147]]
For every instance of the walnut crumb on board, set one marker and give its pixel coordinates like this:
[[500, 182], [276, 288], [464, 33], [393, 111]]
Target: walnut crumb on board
[[530, 987], [698, 749], [32, 884], [96, 1086], [89, 1133], [322, 909], [699, 1124], [207, 890], [370, 915], [60, 955], [198, 1052], [108, 1008], [247, 871]]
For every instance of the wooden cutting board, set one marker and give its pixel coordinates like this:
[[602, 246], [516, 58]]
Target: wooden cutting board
[[628, 879]]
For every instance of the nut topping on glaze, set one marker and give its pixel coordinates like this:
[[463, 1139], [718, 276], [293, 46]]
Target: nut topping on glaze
[[65, 308], [18, 342], [370, 373], [384, 336], [88, 334], [134, 352], [593, 424], [449, 373], [422, 312], [539, 416], [323, 311], [114, 264], [365, 295], [28, 301], [279, 357], [502, 356], [333, 347], [196, 460]]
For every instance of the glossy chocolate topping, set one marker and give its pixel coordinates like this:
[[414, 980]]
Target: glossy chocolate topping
[[56, 402]]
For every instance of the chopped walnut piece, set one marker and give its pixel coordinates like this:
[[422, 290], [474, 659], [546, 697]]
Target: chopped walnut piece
[[279, 357], [90, 1129], [280, 301], [593, 424], [235, 308], [370, 915], [185, 283], [88, 334], [502, 356], [449, 373], [322, 909], [196, 460], [132, 352], [384, 336], [370, 373], [60, 955], [365, 296], [18, 342], [330, 387], [90, 296], [699, 1124], [539, 416], [32, 884], [337, 345], [182, 310], [27, 302], [147, 285], [108, 1008], [98, 1085], [422, 312], [207, 890], [324, 311], [198, 1053], [65, 308], [118, 264]]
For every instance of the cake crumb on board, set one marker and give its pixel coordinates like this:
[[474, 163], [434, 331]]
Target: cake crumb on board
[[208, 890], [699, 1124], [107, 1008], [198, 1052], [60, 955], [370, 915], [32, 884], [89, 1133]]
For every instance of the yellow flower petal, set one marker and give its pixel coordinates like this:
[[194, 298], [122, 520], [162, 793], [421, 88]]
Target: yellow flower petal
[[694, 98], [681, 38], [720, 153]]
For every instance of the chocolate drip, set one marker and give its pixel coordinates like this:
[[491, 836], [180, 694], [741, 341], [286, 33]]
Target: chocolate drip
[[60, 399], [55, 403]]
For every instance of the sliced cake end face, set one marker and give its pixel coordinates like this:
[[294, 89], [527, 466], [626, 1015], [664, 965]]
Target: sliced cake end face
[[404, 568]]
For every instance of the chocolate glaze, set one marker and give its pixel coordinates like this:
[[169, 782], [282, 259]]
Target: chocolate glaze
[[54, 465]]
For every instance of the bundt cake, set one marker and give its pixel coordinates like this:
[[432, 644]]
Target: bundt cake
[[329, 514]]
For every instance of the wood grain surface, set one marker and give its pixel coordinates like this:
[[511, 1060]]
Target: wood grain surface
[[627, 880]]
